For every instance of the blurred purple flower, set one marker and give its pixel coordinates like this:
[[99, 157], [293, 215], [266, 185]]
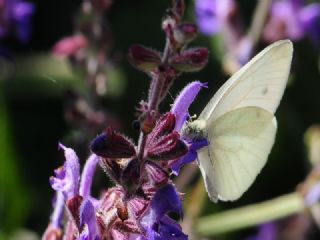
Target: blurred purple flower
[[313, 196], [290, 19], [267, 231], [212, 14], [15, 17]]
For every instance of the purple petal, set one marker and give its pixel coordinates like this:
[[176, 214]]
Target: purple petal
[[57, 215], [87, 175], [184, 100], [88, 222], [190, 157], [165, 200], [159, 226], [67, 177]]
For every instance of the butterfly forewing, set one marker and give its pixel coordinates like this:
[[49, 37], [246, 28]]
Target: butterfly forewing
[[261, 83]]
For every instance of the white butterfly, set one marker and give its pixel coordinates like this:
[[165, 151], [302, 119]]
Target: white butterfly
[[239, 123]]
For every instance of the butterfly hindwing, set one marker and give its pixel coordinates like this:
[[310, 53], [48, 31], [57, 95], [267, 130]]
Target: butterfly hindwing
[[240, 142]]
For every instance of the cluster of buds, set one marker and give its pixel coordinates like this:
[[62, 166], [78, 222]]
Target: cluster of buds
[[137, 206], [164, 67]]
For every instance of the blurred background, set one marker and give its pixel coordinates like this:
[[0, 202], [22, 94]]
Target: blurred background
[[43, 86]]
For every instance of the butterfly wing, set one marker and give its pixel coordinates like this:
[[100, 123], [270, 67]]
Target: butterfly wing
[[240, 142], [238, 151], [261, 83]]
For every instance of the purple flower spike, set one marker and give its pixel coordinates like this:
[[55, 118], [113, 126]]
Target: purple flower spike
[[211, 14], [156, 223], [68, 176], [88, 222], [87, 175], [184, 100]]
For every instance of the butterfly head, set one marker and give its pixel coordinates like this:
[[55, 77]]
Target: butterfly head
[[194, 130]]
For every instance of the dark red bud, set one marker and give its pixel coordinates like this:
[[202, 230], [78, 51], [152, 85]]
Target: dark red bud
[[112, 145], [123, 228], [156, 174], [73, 205], [168, 147], [147, 122], [191, 60], [113, 167], [122, 211], [144, 59], [185, 33], [165, 125]]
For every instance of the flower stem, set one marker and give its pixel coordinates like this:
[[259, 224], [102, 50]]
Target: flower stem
[[250, 215], [154, 96]]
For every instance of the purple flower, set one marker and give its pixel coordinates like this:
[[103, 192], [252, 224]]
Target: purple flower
[[15, 16], [180, 110], [290, 19], [156, 223], [212, 14], [267, 231], [88, 222], [183, 101], [67, 177]]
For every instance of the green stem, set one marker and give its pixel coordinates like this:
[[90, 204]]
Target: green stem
[[251, 215]]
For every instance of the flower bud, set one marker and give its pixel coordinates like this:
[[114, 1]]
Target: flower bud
[[69, 46], [137, 206], [131, 176], [185, 33], [113, 167], [112, 145], [167, 148], [156, 174], [144, 59], [73, 205], [191, 60], [164, 126]]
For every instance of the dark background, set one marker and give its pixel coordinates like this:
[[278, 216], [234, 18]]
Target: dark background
[[34, 106]]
